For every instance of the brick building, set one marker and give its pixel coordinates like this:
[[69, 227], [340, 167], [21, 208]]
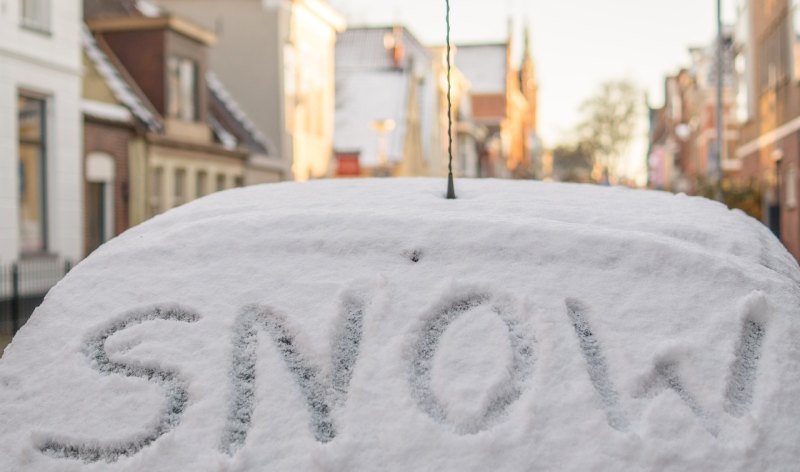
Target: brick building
[[116, 118], [683, 135], [770, 138], [160, 129], [504, 95], [287, 48]]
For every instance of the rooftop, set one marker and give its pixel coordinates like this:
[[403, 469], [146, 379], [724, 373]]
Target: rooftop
[[484, 66]]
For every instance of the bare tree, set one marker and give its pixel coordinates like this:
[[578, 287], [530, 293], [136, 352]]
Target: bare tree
[[572, 163], [610, 119]]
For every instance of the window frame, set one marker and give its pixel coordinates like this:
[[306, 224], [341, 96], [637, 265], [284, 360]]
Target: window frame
[[790, 188], [101, 168], [793, 17], [156, 190], [36, 16], [176, 92], [43, 160], [201, 184], [180, 177]]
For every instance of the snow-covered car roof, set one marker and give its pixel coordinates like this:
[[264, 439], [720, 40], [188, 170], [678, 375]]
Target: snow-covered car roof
[[373, 325]]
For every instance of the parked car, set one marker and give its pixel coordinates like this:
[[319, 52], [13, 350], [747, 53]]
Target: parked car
[[363, 325]]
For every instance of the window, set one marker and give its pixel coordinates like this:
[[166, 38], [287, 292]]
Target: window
[[674, 99], [156, 190], [183, 90], [290, 67], [35, 14], [743, 65], [100, 177], [220, 182], [180, 187], [775, 57], [791, 188], [32, 174], [238, 182], [794, 40], [742, 88], [201, 184]]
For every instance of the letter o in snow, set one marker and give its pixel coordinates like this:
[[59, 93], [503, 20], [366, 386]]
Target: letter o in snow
[[425, 348]]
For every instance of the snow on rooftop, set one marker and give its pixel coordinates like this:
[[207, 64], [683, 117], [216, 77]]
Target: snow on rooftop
[[484, 66], [373, 325], [365, 48], [371, 88], [227, 140], [148, 8], [119, 86], [219, 91], [106, 111]]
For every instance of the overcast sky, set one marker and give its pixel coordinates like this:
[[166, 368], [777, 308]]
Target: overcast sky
[[577, 44]]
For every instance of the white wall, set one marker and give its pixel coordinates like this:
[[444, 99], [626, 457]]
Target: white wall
[[47, 64], [313, 43], [262, 47], [248, 57]]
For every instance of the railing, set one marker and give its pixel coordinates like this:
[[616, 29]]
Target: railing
[[23, 286]]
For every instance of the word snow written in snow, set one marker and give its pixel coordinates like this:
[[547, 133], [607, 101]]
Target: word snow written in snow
[[324, 392]]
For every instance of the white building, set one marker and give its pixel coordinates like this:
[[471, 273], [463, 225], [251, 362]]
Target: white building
[[276, 57], [40, 130], [385, 75]]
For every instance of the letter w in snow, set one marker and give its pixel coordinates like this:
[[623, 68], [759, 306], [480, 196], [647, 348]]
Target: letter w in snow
[[740, 388]]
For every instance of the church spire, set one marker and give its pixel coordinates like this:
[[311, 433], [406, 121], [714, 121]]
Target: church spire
[[526, 41], [527, 77]]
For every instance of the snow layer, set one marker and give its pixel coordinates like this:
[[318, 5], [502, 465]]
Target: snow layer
[[373, 325]]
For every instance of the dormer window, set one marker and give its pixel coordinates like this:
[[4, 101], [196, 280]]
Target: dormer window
[[183, 90], [35, 15]]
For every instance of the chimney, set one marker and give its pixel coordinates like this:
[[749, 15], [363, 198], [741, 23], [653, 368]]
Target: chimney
[[393, 42]]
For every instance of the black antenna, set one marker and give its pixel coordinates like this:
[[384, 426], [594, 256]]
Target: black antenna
[[451, 192]]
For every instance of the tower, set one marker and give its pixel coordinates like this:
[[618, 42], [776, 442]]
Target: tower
[[527, 81]]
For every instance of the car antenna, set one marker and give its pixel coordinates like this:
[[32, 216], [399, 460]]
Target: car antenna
[[451, 192]]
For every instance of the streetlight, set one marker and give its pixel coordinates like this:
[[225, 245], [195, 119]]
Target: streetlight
[[382, 127]]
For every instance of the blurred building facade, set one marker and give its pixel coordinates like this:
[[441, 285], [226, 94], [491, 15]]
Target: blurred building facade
[[770, 138], [386, 121], [467, 135], [160, 128], [683, 136], [761, 156], [116, 116], [569, 163], [286, 48], [41, 210], [504, 102]]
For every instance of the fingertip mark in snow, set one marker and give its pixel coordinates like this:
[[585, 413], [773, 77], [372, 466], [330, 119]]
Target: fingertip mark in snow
[[348, 343], [425, 348], [665, 376], [740, 388], [596, 364], [414, 255], [321, 393], [174, 387], [744, 369]]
